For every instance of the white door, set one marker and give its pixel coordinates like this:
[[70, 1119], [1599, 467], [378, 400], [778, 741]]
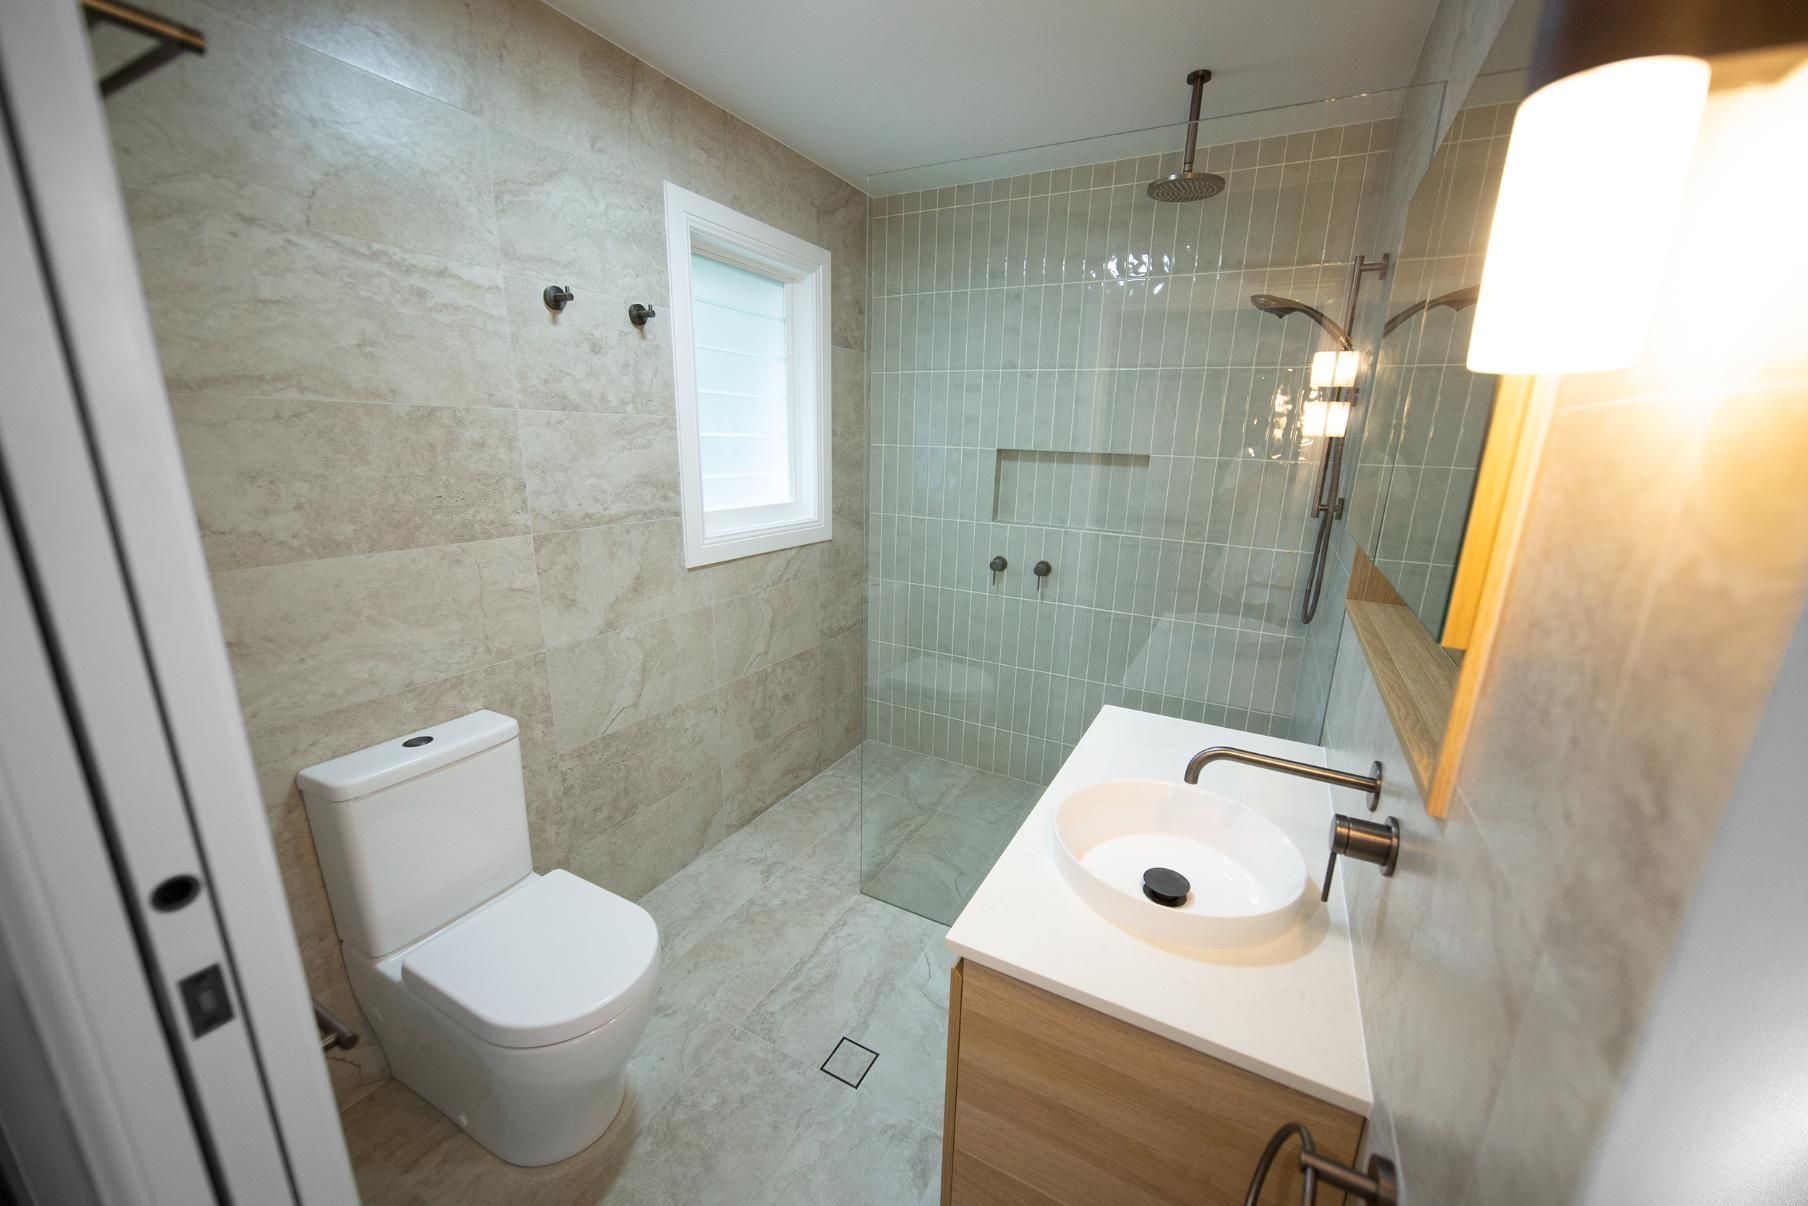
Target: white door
[[158, 1041]]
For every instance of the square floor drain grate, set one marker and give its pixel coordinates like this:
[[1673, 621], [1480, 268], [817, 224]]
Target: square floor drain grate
[[849, 1062]]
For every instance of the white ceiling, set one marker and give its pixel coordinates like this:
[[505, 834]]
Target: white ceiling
[[866, 86]]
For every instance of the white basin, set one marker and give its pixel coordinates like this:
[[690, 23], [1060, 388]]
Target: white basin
[[1248, 878]]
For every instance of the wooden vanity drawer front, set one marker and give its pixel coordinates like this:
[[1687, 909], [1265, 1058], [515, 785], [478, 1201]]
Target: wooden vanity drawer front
[[1059, 1105]]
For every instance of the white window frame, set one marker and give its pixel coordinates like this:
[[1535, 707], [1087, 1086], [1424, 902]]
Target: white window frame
[[695, 223]]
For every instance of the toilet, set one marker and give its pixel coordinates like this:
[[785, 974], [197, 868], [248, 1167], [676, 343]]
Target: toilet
[[509, 1000]]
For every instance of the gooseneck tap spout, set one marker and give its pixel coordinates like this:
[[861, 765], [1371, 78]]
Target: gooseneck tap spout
[[1369, 783]]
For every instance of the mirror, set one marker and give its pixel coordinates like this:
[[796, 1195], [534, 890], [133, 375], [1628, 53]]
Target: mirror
[[1431, 415]]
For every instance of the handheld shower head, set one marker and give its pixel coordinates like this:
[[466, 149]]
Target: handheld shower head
[[1281, 307], [1456, 299]]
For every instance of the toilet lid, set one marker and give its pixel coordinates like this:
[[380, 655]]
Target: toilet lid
[[554, 958]]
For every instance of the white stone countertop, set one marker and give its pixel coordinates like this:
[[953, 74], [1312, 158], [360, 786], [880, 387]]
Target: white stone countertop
[[1286, 1010]]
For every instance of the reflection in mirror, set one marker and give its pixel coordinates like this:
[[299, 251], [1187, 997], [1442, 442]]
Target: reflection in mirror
[[1431, 412]]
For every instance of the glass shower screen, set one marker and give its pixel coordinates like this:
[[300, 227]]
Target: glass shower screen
[[1067, 382]]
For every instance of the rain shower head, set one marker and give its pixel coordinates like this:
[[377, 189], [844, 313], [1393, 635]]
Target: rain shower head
[[1281, 307], [1186, 184]]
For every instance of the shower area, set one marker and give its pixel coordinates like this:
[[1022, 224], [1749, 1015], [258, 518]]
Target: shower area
[[1099, 456]]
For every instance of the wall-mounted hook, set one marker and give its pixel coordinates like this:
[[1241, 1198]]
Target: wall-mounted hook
[[555, 297], [638, 314], [997, 565], [1042, 570]]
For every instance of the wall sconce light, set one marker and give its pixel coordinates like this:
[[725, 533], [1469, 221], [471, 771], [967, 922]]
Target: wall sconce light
[[1333, 369], [1596, 170], [1589, 200], [1327, 418]]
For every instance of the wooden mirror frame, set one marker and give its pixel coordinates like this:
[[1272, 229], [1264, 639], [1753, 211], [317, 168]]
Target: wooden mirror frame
[[1430, 688]]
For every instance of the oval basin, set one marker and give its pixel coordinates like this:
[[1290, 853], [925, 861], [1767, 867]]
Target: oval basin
[[1247, 876]]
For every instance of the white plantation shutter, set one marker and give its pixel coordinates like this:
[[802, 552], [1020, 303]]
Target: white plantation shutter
[[743, 399]]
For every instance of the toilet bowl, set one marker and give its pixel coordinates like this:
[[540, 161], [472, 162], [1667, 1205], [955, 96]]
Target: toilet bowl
[[509, 1000]]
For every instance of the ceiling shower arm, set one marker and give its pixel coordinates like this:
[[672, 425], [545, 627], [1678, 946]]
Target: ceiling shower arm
[[1198, 79], [1186, 184]]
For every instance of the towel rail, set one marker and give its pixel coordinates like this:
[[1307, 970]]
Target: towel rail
[[172, 37]]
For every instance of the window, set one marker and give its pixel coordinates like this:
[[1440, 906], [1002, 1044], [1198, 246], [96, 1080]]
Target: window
[[750, 358]]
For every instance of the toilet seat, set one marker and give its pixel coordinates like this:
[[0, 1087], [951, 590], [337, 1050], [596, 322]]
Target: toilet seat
[[550, 959]]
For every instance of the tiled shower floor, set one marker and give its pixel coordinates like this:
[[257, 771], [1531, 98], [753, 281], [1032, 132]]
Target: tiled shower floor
[[934, 828], [770, 956]]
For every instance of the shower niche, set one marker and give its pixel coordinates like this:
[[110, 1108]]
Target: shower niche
[[1090, 491]]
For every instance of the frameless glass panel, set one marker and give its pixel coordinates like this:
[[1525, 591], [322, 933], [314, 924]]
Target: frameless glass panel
[[742, 387], [1065, 371]]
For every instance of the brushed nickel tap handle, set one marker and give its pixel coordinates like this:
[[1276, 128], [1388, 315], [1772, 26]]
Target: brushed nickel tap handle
[[1365, 840]]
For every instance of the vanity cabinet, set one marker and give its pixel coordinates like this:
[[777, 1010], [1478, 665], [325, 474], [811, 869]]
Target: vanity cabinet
[[1049, 1102]]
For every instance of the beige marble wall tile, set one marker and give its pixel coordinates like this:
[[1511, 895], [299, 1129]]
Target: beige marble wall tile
[[755, 631], [656, 842], [515, 688], [744, 575], [841, 227], [244, 306], [754, 779], [841, 664], [558, 83], [289, 480], [271, 129], [844, 577], [431, 46], [765, 704], [597, 580], [630, 239], [708, 128], [549, 820], [1552, 1105], [312, 636], [637, 765], [589, 356], [772, 182], [1568, 634], [548, 205], [540, 73], [1724, 599], [849, 431], [1445, 959], [1449, 971], [843, 728], [616, 679], [584, 470]]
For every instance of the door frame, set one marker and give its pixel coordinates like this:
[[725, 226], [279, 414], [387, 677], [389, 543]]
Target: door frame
[[130, 766]]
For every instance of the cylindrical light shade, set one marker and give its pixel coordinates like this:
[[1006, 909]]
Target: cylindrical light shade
[[1589, 198], [1334, 370], [1325, 419]]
